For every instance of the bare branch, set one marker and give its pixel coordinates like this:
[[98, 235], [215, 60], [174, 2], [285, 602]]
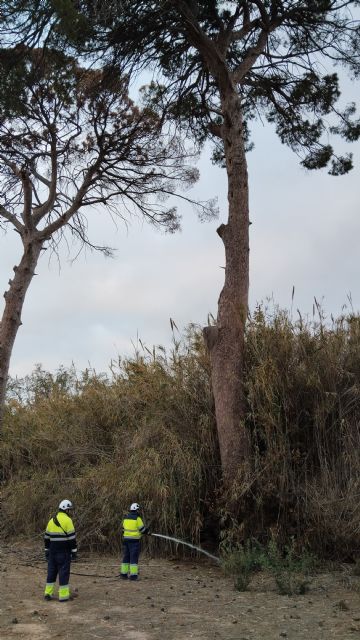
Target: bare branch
[[11, 218]]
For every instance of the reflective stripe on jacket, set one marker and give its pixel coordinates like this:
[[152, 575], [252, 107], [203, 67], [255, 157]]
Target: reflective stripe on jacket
[[63, 536], [133, 527]]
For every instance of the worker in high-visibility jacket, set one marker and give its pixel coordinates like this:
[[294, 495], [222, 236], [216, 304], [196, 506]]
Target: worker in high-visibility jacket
[[133, 529], [60, 550]]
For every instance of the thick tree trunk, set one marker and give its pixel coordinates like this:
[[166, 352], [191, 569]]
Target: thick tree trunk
[[14, 300], [226, 341]]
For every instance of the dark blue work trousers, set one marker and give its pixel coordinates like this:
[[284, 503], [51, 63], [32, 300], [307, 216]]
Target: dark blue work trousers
[[131, 551], [59, 565]]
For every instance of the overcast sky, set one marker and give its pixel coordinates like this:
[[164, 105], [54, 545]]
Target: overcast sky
[[305, 233]]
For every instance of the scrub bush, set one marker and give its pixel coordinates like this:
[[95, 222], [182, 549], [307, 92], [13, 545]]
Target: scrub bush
[[242, 561], [289, 567]]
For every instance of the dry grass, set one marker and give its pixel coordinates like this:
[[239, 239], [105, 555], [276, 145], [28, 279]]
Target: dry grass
[[147, 435]]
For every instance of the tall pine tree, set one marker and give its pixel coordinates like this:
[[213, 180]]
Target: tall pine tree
[[219, 65]]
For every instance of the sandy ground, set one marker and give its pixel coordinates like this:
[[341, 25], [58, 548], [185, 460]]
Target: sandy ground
[[173, 600]]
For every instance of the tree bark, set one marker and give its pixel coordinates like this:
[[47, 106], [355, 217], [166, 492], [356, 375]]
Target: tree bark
[[14, 300], [226, 341]]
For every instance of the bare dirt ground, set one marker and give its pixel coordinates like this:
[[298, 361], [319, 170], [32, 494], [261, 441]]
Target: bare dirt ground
[[173, 600]]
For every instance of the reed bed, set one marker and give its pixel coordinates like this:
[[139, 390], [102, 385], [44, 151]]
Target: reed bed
[[146, 432]]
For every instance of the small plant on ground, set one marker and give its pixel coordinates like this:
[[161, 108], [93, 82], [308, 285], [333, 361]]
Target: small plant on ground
[[290, 568], [242, 561]]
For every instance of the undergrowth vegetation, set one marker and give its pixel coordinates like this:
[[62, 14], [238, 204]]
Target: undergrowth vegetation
[[290, 567], [146, 432]]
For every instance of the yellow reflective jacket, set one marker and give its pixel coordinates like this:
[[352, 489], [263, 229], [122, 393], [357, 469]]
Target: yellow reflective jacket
[[133, 526], [60, 536]]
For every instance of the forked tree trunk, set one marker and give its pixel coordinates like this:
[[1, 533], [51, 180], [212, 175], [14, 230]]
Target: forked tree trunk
[[226, 341], [11, 319]]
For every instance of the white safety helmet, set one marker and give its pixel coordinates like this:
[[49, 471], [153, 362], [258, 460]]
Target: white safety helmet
[[135, 506], [65, 505]]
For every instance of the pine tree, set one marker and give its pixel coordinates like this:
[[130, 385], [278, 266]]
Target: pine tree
[[220, 65]]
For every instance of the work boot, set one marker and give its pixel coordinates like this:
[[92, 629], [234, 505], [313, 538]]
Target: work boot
[[123, 576], [48, 597]]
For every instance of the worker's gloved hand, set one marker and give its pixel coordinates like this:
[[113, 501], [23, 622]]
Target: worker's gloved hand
[[147, 531], [73, 556], [47, 554]]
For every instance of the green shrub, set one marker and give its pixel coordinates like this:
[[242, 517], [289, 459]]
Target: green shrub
[[241, 562], [289, 568]]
